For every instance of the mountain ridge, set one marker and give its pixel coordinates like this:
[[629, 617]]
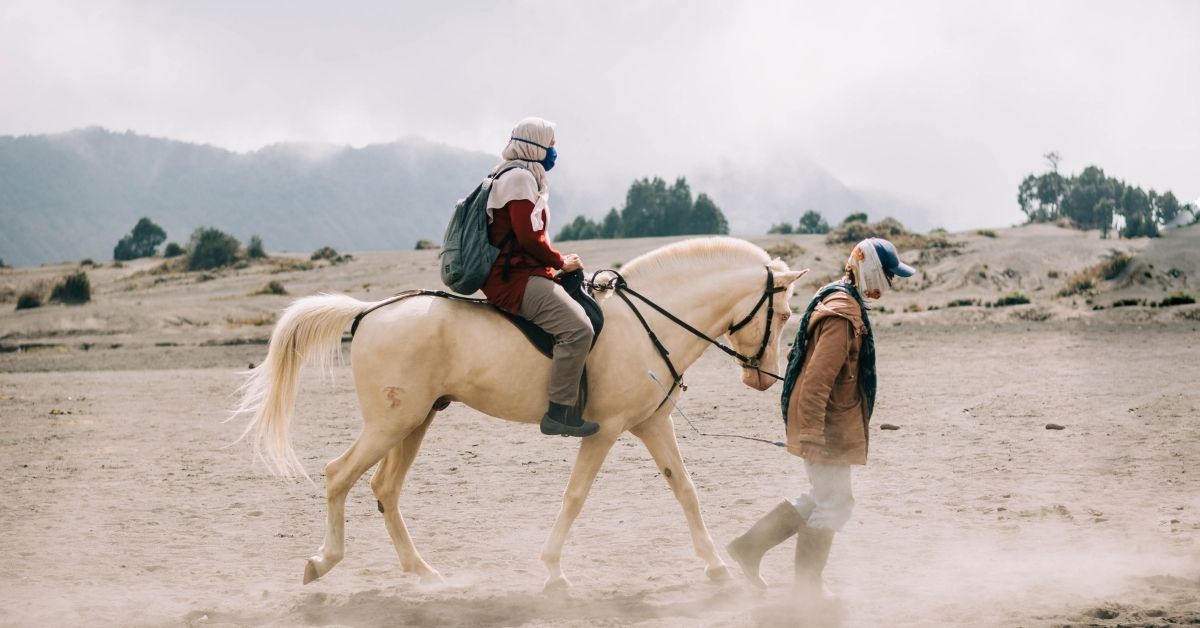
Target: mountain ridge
[[72, 195]]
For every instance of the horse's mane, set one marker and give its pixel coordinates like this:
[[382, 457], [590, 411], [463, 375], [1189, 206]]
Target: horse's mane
[[696, 253]]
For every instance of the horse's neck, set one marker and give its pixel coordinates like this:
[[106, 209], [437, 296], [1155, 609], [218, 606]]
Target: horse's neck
[[704, 304]]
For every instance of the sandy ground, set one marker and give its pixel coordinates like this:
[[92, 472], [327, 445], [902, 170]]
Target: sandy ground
[[124, 505]]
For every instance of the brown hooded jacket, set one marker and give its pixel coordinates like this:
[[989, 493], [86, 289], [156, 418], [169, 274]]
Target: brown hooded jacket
[[827, 418]]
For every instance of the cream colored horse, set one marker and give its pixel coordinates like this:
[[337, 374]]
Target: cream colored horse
[[408, 356]]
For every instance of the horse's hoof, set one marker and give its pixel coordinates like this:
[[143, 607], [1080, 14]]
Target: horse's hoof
[[556, 583], [432, 579], [310, 572], [719, 573]]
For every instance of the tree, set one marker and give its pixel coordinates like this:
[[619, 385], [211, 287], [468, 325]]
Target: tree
[[211, 248], [783, 228], [643, 212], [707, 217], [855, 217], [813, 222], [677, 209], [143, 241], [579, 229], [611, 227], [1166, 207], [254, 250], [1135, 209]]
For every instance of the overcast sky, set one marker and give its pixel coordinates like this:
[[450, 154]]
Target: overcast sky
[[949, 103]]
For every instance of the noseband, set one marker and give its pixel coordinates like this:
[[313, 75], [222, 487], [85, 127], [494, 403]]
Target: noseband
[[622, 290]]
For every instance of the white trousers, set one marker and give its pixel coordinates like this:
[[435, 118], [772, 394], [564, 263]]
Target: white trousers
[[829, 501]]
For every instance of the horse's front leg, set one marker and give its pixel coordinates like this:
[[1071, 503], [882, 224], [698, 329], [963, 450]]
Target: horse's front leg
[[658, 434], [587, 464]]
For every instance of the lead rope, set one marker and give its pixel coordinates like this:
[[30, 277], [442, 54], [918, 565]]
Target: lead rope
[[683, 414]]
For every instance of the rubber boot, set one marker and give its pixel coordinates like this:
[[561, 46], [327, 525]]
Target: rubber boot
[[812, 552], [774, 528], [563, 420]]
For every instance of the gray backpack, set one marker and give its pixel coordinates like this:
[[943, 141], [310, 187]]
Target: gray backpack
[[467, 254]]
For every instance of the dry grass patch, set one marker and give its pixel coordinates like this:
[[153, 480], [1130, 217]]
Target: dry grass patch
[[1087, 281], [261, 320], [786, 251], [271, 287]]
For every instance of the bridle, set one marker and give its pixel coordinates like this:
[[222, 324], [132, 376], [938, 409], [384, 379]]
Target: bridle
[[622, 290]]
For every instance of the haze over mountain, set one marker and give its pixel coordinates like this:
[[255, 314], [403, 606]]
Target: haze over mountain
[[72, 195]]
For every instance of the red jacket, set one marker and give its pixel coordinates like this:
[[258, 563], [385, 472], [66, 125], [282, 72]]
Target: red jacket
[[529, 254]]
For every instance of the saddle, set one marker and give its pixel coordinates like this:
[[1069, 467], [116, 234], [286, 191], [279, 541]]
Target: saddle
[[572, 282]]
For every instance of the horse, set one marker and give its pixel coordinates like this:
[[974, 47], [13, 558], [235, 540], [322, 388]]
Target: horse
[[410, 358]]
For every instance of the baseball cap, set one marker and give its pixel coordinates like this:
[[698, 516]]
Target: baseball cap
[[889, 258]]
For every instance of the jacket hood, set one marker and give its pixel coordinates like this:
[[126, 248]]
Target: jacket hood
[[842, 305]]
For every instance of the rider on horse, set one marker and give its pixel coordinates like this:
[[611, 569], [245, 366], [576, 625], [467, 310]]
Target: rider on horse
[[522, 280]]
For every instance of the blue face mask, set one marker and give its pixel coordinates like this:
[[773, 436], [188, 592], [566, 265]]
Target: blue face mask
[[551, 153]]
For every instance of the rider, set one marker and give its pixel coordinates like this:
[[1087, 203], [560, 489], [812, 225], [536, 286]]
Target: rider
[[522, 280], [827, 417]]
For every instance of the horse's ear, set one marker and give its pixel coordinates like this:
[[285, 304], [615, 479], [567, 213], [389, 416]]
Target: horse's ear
[[782, 280]]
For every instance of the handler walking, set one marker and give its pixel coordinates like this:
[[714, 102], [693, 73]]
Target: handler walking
[[828, 396]]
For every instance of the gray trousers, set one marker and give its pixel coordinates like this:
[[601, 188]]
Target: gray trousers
[[548, 306], [829, 501]]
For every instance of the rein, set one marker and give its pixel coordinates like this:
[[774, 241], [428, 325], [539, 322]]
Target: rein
[[620, 287]]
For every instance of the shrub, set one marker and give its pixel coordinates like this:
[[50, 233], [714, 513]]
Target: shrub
[[254, 250], [1052, 274], [914, 307], [783, 228], [173, 250], [272, 287], [1088, 280], [962, 303], [785, 250], [1127, 303], [986, 233], [29, 299], [850, 232], [141, 242], [1012, 298], [1177, 298], [855, 217], [1116, 263], [329, 254], [426, 245], [2, 264], [1078, 283], [211, 248], [73, 289], [87, 262]]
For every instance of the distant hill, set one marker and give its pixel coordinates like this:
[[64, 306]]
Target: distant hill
[[73, 195]]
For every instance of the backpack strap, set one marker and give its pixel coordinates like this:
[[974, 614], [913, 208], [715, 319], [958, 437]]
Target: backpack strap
[[504, 244], [512, 235]]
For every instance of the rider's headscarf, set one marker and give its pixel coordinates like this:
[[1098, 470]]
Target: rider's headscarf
[[869, 276], [523, 154]]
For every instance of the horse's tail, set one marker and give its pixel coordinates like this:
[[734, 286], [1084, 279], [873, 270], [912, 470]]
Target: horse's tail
[[310, 331]]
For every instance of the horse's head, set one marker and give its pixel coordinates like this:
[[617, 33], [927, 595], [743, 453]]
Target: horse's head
[[756, 323]]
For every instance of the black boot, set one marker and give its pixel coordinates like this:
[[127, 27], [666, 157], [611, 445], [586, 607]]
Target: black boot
[[563, 420]]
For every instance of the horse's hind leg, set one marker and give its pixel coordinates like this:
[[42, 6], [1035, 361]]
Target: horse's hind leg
[[341, 474], [387, 482], [658, 434], [587, 464]]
